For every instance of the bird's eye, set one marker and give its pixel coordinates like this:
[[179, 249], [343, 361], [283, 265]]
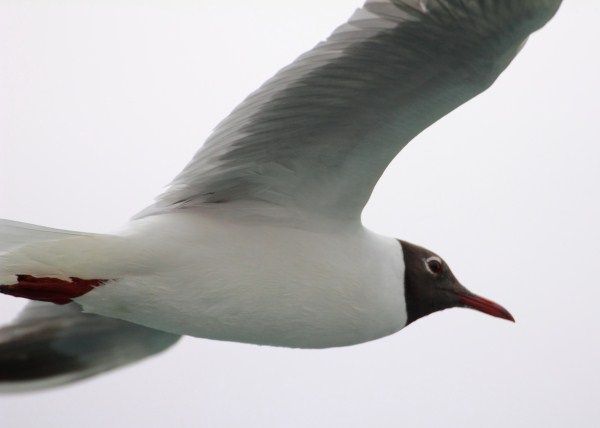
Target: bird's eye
[[434, 265]]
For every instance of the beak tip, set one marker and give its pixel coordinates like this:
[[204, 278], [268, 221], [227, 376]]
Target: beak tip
[[500, 312], [486, 306]]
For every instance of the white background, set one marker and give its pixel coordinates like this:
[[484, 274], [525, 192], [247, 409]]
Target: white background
[[103, 102]]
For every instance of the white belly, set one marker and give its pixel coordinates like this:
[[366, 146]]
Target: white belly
[[248, 281]]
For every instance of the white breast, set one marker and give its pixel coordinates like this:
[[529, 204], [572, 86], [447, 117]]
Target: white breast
[[242, 278]]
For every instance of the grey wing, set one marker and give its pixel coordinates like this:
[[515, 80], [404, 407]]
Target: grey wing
[[49, 345], [319, 134]]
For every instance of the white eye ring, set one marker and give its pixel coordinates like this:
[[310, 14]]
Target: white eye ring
[[434, 261]]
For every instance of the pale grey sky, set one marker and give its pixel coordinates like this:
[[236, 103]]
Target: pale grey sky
[[102, 103]]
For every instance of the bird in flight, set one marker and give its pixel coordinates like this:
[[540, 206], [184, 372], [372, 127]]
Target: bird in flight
[[259, 239]]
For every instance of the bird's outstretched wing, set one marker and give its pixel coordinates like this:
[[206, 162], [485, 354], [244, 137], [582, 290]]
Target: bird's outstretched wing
[[319, 134]]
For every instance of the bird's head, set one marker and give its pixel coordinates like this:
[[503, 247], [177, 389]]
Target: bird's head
[[430, 286]]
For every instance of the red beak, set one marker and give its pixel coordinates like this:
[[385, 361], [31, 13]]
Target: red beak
[[484, 305]]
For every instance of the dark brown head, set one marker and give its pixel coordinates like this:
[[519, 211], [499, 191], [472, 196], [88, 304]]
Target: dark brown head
[[430, 286]]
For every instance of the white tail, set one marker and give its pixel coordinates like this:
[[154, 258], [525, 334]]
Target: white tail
[[49, 345], [15, 233]]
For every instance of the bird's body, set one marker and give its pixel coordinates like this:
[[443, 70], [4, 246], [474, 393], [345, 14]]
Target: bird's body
[[248, 280], [259, 239]]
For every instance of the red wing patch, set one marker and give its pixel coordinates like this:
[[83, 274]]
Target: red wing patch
[[51, 290]]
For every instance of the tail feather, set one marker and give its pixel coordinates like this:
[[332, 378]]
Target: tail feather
[[15, 233], [49, 345]]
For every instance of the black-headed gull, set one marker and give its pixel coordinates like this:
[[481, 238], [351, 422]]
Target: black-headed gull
[[259, 238]]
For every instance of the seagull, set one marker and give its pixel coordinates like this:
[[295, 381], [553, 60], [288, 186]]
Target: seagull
[[259, 239]]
